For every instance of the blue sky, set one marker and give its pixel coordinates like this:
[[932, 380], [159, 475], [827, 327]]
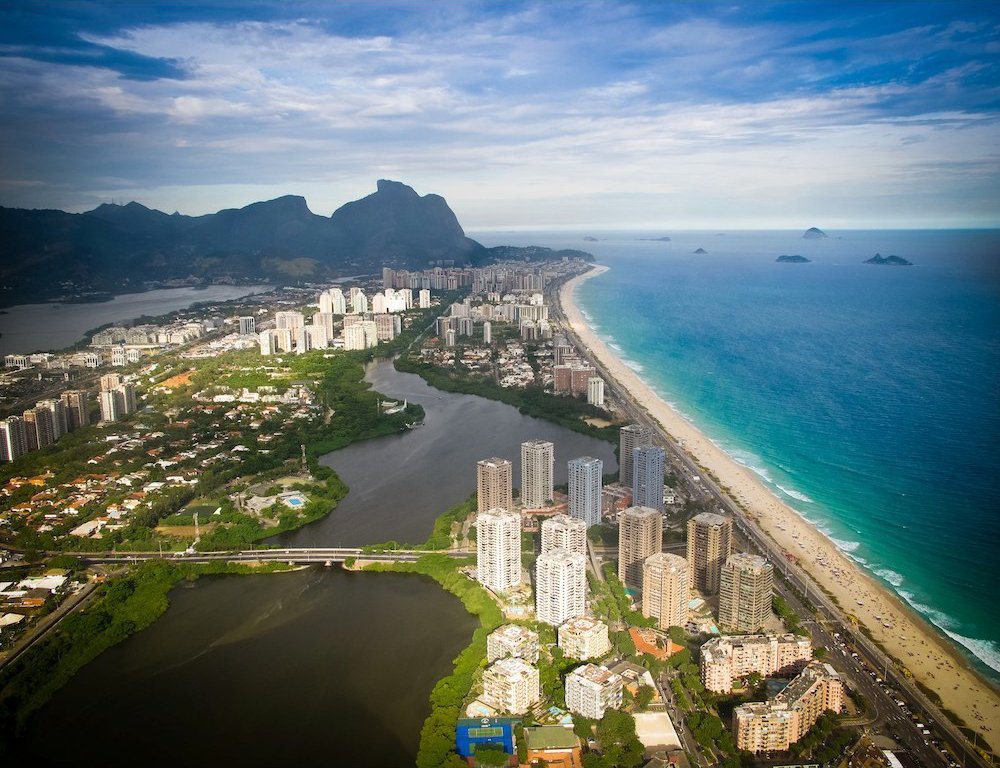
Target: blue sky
[[545, 114]]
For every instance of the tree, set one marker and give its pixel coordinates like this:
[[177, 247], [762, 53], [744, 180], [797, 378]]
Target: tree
[[620, 745], [491, 757]]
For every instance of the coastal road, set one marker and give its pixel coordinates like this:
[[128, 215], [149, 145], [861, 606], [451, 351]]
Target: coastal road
[[297, 556], [869, 655]]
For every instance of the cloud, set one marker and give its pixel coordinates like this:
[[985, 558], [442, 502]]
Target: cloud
[[511, 108]]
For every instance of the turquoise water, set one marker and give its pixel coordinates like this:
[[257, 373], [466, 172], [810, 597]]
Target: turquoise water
[[866, 397]]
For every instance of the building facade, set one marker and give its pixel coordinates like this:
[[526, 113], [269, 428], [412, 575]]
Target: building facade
[[629, 438], [665, 589], [725, 659], [640, 535], [514, 641], [595, 391], [584, 638], [560, 586], [709, 543], [745, 590], [537, 468], [494, 484], [647, 477], [564, 532], [592, 690], [498, 549], [511, 685], [585, 483]]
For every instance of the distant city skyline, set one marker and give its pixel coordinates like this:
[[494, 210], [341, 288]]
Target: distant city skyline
[[522, 115]]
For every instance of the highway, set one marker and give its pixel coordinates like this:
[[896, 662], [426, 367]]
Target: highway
[[299, 556], [857, 670]]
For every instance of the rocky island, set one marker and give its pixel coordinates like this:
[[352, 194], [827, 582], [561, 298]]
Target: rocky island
[[700, 250], [793, 259], [590, 239], [892, 261], [655, 239], [814, 233]]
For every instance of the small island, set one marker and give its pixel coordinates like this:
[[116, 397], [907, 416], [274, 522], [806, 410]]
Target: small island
[[700, 250], [892, 261], [590, 239], [793, 259], [814, 233], [655, 239]]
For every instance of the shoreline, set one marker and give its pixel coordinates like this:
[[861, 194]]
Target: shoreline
[[921, 648]]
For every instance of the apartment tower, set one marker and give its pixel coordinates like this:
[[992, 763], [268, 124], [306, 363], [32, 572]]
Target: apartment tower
[[640, 535], [537, 465], [498, 549], [665, 589], [647, 477], [709, 543], [629, 438], [494, 484], [585, 476], [560, 586], [745, 590]]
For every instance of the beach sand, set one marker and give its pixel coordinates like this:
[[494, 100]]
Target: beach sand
[[929, 657]]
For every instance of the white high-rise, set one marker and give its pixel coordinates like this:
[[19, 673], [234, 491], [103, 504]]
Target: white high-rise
[[585, 474], [592, 690], [424, 298], [595, 391], [338, 304], [537, 465], [640, 534], [498, 549], [564, 532], [560, 586], [665, 589]]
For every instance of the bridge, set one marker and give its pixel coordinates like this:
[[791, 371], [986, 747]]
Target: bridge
[[295, 556]]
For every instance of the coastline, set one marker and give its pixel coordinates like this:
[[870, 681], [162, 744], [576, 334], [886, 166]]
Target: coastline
[[931, 659]]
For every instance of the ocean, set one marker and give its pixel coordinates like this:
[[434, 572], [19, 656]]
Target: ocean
[[866, 397]]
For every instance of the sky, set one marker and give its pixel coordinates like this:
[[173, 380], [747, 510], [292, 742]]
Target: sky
[[605, 115]]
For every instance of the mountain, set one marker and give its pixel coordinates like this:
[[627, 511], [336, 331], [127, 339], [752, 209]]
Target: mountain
[[792, 259], [117, 248], [814, 233], [892, 261]]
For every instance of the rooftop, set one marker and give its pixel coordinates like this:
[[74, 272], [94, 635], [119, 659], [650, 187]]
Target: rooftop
[[550, 737]]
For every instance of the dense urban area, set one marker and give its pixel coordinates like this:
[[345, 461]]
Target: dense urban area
[[630, 617]]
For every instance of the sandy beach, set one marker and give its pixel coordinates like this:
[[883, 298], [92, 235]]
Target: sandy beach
[[928, 656]]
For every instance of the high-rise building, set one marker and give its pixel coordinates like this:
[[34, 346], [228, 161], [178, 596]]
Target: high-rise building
[[77, 403], [640, 534], [537, 465], [248, 326], [359, 302], [487, 332], [773, 726], [494, 484], [424, 298], [117, 402], [665, 589], [512, 640], [745, 589], [629, 438], [39, 427], [595, 391], [560, 586], [498, 549], [564, 532], [647, 477], [60, 417], [338, 303], [584, 638], [732, 657], [511, 685], [13, 438], [585, 476], [709, 543], [109, 381], [592, 690], [290, 321]]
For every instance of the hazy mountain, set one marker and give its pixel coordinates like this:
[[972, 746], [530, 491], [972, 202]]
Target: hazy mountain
[[121, 247]]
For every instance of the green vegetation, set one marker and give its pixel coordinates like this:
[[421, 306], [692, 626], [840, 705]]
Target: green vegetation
[[122, 606], [533, 401], [437, 738], [620, 746], [787, 615], [824, 741]]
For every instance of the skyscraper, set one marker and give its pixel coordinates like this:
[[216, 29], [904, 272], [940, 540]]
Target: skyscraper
[[629, 438], [647, 477], [745, 590], [585, 474], [494, 484], [640, 534], [709, 543], [13, 440], [564, 532], [537, 463], [498, 549], [77, 408], [560, 586], [665, 589], [595, 391], [248, 326]]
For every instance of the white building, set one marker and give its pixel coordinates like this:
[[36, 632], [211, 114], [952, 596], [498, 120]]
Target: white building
[[584, 638], [359, 302], [537, 467], [511, 685], [289, 320], [498, 549], [512, 640], [560, 586], [733, 657], [595, 391], [585, 476], [487, 332], [361, 335], [592, 690], [248, 326], [425, 298], [564, 532]]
